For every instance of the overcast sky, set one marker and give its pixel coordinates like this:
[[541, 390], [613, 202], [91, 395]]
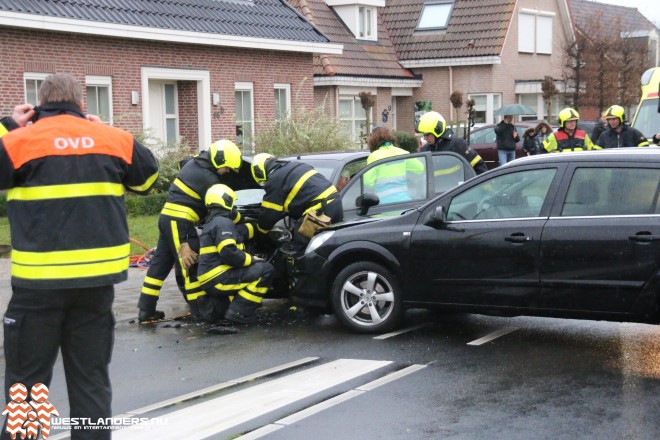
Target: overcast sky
[[649, 8]]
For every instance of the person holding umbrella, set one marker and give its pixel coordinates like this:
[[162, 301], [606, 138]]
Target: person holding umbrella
[[506, 138]]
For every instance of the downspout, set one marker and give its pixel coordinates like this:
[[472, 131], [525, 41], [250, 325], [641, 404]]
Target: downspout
[[451, 87]]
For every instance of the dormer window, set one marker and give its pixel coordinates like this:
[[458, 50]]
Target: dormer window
[[359, 16], [435, 15], [366, 22]]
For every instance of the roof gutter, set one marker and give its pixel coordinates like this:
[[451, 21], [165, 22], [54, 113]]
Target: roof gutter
[[45, 23], [451, 62], [362, 81]]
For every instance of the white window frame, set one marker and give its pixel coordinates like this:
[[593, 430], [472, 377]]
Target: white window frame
[[101, 81], [355, 101], [536, 24], [247, 87], [287, 94], [428, 16], [366, 23], [490, 106], [33, 76]]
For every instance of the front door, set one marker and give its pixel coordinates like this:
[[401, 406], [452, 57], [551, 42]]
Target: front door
[[164, 111]]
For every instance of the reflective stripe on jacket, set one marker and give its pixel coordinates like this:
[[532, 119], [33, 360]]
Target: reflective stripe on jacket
[[294, 188], [66, 178], [560, 141]]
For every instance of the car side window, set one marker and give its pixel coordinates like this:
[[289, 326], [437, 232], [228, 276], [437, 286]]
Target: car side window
[[514, 195], [448, 173], [612, 191], [394, 181], [485, 136], [349, 170]]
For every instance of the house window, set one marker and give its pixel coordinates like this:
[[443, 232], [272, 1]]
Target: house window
[[282, 101], [535, 32], [353, 117], [485, 106], [32, 83], [366, 25], [435, 15], [244, 116], [99, 97]]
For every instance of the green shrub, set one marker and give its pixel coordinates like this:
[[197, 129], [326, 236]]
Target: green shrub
[[3, 204], [407, 141], [305, 131], [145, 205]]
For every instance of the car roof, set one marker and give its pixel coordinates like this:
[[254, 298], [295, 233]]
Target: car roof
[[608, 155], [330, 155]]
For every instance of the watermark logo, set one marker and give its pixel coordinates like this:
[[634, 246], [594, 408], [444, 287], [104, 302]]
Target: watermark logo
[[28, 420]]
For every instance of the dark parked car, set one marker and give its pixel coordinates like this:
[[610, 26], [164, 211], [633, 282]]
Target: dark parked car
[[430, 174], [573, 235], [482, 140]]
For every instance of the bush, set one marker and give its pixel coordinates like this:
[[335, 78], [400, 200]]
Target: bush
[[305, 131], [3, 204], [407, 141], [145, 205]]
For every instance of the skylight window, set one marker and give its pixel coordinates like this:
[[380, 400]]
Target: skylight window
[[435, 15]]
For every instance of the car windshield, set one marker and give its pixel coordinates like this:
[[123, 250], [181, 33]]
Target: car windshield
[[647, 120], [325, 167], [249, 196]]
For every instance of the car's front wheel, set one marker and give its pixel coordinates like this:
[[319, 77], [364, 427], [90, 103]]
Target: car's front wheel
[[366, 297]]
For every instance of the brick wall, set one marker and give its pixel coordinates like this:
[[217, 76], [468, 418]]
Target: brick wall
[[122, 59], [188, 117]]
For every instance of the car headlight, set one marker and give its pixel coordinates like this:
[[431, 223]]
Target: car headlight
[[318, 240]]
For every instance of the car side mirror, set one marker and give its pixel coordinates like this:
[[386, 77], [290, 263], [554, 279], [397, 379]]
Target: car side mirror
[[366, 201], [438, 216]]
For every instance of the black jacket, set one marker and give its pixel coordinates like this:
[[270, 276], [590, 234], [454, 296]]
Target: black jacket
[[448, 142], [629, 137], [504, 133]]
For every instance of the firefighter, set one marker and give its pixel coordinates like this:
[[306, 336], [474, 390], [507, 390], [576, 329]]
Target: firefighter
[[178, 243], [568, 137], [66, 178], [619, 135], [293, 188], [224, 267], [434, 128]]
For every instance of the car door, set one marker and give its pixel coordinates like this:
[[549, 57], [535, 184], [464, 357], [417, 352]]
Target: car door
[[487, 250], [600, 246], [403, 182]]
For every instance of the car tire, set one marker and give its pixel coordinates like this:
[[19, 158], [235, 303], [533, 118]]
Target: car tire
[[366, 298]]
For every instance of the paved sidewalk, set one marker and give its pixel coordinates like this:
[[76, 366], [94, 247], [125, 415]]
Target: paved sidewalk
[[126, 294]]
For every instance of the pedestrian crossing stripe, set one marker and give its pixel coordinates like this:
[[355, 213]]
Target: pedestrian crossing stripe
[[211, 417]]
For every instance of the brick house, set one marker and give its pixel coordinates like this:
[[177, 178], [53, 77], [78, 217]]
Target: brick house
[[368, 63], [493, 51], [195, 71]]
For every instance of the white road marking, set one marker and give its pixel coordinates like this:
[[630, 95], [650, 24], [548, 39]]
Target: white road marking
[[203, 392], [404, 330], [296, 417], [216, 415], [496, 334]]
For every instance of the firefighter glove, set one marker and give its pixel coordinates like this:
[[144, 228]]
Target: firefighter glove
[[188, 256]]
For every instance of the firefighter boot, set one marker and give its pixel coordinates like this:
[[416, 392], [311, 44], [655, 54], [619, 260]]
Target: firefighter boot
[[146, 315], [241, 311]]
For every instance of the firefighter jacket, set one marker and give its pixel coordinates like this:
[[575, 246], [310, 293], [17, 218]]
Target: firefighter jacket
[[294, 188], [7, 124], [448, 142], [221, 246], [389, 181], [66, 178], [628, 137], [186, 194], [560, 141]]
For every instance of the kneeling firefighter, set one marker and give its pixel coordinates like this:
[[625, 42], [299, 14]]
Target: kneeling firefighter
[[224, 268]]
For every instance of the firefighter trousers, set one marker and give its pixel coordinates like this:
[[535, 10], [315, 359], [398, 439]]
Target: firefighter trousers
[[40, 322], [248, 284], [172, 233]]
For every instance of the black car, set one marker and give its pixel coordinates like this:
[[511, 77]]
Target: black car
[[565, 235]]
